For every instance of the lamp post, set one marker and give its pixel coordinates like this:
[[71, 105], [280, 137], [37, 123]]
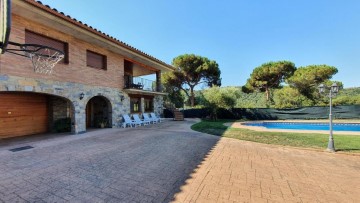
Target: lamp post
[[333, 89]]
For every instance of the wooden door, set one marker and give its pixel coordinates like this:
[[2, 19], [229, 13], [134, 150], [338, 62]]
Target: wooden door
[[23, 114]]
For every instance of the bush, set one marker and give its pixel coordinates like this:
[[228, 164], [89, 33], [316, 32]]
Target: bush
[[62, 125]]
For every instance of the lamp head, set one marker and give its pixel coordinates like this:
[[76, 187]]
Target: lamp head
[[321, 88], [334, 88], [81, 95]]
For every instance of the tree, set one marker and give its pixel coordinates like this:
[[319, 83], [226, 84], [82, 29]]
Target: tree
[[192, 70], [174, 96], [216, 98], [269, 75], [307, 79], [288, 97]]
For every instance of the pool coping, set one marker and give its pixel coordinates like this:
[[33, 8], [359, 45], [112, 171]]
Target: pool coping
[[263, 129]]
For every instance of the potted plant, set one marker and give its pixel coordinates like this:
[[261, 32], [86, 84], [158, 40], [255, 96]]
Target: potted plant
[[102, 123]]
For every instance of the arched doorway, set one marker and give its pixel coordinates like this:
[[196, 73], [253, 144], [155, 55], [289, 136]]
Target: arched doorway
[[98, 113]]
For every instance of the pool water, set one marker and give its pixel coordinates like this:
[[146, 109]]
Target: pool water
[[307, 126]]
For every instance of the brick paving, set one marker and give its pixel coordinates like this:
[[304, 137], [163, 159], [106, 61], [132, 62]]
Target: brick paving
[[169, 162], [146, 164], [240, 171]]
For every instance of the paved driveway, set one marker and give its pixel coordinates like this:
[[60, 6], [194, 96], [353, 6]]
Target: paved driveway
[[169, 162]]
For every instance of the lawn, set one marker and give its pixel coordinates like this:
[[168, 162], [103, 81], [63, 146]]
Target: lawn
[[347, 143]]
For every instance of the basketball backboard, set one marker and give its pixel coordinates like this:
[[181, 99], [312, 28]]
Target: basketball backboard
[[5, 23], [44, 58]]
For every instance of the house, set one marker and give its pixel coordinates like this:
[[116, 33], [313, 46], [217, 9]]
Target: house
[[99, 79]]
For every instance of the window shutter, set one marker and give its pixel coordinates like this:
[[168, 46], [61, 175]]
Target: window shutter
[[95, 60], [34, 38]]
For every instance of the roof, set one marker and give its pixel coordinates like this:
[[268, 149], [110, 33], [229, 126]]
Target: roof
[[78, 23]]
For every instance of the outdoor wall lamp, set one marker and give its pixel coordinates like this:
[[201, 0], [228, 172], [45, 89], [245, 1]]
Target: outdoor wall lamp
[[333, 90], [81, 95], [122, 97]]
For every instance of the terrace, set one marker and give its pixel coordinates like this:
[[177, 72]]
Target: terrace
[[134, 83]]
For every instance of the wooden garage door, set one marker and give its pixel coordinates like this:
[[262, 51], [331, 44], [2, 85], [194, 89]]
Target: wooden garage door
[[23, 114]]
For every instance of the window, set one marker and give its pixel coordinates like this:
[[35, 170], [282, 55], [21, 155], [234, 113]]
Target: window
[[95, 60], [34, 38], [148, 102], [134, 104]]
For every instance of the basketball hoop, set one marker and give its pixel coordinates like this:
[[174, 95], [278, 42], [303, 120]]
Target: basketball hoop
[[43, 58]]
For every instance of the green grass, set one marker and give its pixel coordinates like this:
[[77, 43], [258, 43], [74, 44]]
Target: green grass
[[348, 143]]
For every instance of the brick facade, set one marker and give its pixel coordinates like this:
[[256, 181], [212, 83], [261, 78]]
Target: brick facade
[[68, 81], [76, 71]]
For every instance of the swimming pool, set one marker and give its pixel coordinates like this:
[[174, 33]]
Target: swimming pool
[[306, 126]]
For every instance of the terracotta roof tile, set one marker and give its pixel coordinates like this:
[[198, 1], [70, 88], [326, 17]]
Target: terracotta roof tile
[[68, 18]]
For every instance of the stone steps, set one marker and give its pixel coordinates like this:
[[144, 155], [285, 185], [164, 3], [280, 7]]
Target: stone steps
[[178, 115]]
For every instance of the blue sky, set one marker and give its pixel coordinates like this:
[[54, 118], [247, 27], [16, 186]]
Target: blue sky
[[239, 34]]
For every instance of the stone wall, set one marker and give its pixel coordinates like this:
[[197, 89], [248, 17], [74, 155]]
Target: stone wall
[[158, 105], [59, 108], [71, 92]]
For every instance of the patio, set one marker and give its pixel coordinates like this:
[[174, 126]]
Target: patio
[[172, 164]]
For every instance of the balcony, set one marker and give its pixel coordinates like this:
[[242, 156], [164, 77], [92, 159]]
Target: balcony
[[142, 84]]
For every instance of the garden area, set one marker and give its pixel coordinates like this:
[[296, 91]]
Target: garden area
[[275, 90], [345, 143]]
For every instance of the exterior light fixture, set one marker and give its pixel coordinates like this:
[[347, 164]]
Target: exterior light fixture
[[322, 88], [333, 90], [122, 97], [81, 95]]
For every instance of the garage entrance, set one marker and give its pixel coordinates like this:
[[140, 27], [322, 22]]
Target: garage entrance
[[23, 114], [28, 113]]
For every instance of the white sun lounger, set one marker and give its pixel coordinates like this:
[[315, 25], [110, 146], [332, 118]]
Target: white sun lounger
[[158, 119], [138, 121], [147, 118], [128, 121]]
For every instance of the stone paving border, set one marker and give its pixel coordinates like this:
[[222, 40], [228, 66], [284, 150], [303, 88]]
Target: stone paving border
[[263, 129]]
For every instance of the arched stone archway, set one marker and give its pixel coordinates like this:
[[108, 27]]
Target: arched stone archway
[[98, 112], [61, 115]]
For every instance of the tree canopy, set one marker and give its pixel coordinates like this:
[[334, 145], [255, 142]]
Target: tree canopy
[[307, 79], [192, 70], [288, 97], [216, 98], [269, 75]]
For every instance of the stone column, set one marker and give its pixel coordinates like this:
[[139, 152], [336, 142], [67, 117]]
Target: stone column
[[142, 105], [158, 104], [79, 118]]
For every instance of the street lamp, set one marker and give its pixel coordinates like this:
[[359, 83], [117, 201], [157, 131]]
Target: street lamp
[[333, 89]]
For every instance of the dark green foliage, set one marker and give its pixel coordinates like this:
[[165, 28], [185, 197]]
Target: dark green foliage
[[307, 79], [62, 125], [216, 98], [174, 96], [269, 75], [191, 70], [349, 96], [305, 113], [288, 97], [251, 100]]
